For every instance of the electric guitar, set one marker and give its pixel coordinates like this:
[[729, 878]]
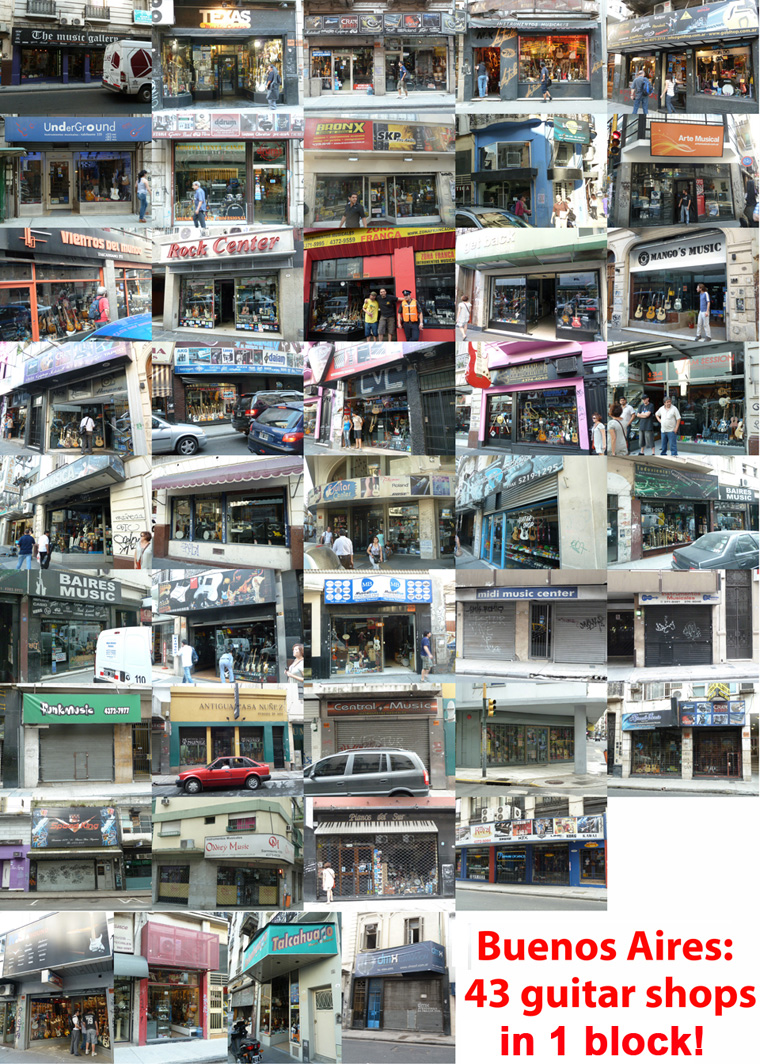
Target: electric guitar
[[541, 434], [576, 322], [532, 532], [516, 534], [668, 301], [524, 532]]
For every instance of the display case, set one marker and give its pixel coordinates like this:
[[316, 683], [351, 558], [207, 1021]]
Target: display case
[[257, 304], [196, 309]]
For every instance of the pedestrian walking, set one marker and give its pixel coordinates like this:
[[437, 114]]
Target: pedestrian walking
[[86, 429], [199, 206], [703, 318], [188, 656], [327, 537], [295, 672], [426, 651], [750, 202], [403, 79], [375, 552], [645, 414], [560, 212], [43, 549], [546, 82], [347, 428], [482, 80], [91, 1031], [273, 85], [354, 214], [144, 551], [76, 1033], [344, 548], [668, 93], [358, 424], [464, 313], [8, 427], [617, 439], [328, 881], [670, 418], [143, 191], [25, 544], [522, 210], [226, 666], [598, 434], [641, 89]]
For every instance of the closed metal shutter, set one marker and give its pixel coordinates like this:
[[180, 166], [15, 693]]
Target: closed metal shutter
[[413, 1005], [407, 734], [71, 752], [738, 613], [542, 490], [66, 875], [489, 628], [678, 635], [580, 633]]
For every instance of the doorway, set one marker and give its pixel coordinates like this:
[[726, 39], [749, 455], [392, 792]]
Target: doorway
[[685, 185], [620, 636], [343, 80], [224, 302], [324, 1024], [492, 59], [375, 1004], [141, 751], [378, 198], [738, 613], [105, 875], [226, 76], [438, 410], [399, 641], [58, 194]]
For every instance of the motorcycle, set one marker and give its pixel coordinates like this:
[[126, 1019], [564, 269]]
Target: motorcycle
[[249, 1052]]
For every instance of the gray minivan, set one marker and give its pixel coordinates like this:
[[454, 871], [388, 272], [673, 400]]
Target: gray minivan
[[385, 772]]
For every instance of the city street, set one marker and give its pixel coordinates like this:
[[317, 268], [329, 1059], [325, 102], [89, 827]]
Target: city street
[[90, 100], [80, 899], [361, 1051], [474, 900]]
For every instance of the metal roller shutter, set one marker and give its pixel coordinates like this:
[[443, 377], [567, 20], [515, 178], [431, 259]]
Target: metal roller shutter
[[412, 1005], [74, 753], [408, 734], [489, 629], [678, 635], [580, 633], [66, 875], [542, 490]]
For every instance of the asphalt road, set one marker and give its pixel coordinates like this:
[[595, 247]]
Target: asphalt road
[[272, 789], [236, 444], [362, 1051], [93, 102], [485, 900], [96, 899]]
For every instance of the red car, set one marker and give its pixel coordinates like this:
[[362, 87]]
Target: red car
[[225, 772]]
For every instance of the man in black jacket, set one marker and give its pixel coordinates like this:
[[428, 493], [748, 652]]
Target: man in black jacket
[[387, 317]]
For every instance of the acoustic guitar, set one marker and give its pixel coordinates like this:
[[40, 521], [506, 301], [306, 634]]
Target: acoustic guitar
[[639, 312], [661, 315], [739, 431], [651, 311]]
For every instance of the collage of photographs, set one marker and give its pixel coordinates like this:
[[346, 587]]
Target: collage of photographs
[[315, 604]]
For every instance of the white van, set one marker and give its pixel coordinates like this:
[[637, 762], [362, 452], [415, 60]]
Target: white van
[[127, 68], [123, 656]]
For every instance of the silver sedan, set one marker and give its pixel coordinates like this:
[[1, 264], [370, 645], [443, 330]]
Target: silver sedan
[[176, 439]]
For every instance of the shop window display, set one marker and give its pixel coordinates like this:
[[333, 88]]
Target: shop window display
[[264, 52], [249, 887], [593, 866], [656, 753], [208, 519], [509, 301], [68, 645], [220, 167], [647, 64], [173, 1003], [728, 520], [548, 416], [210, 402], [177, 63], [670, 300], [37, 64], [196, 304], [112, 424], [332, 194], [725, 72], [366, 866], [415, 196], [478, 862], [551, 863], [665, 524], [500, 420], [561, 744], [173, 885], [270, 188], [336, 306], [435, 294], [566, 58], [16, 314], [192, 747], [511, 864], [79, 531], [181, 518], [577, 298], [102, 175], [504, 194], [404, 529], [30, 177], [52, 1018], [258, 519], [426, 66], [492, 59], [122, 1007], [63, 307], [531, 537], [357, 645], [257, 303], [254, 650], [446, 530], [656, 191], [133, 292]]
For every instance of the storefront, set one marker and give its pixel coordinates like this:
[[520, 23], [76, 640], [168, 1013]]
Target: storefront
[[51, 290], [223, 55], [371, 151], [401, 989], [342, 268], [252, 871], [360, 53], [210, 380], [174, 999], [14, 875], [204, 728], [709, 391], [716, 727], [415, 514], [545, 851], [64, 166], [714, 61], [66, 56], [691, 740], [233, 284], [677, 628], [75, 848], [228, 611], [297, 1010], [514, 53]]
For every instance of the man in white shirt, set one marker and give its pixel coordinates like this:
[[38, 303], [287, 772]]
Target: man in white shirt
[[628, 414], [43, 545], [669, 417], [186, 660], [344, 548], [86, 429], [327, 537]]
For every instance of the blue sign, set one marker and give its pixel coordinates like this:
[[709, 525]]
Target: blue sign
[[60, 128], [421, 957], [258, 358], [712, 713], [527, 593], [747, 160], [377, 589]]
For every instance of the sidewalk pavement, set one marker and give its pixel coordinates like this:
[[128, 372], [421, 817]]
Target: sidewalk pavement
[[397, 561], [404, 108], [693, 788], [416, 1038], [538, 670], [527, 778], [100, 792], [734, 670], [585, 893], [467, 560], [8, 1055], [73, 220], [196, 1051], [71, 564]]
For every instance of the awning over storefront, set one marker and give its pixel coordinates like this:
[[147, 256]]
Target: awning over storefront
[[374, 827], [367, 242], [161, 381], [543, 247], [281, 948], [88, 473], [232, 474], [125, 964], [710, 22]]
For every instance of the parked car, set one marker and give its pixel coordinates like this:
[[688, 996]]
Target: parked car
[[230, 772], [385, 772], [127, 68], [320, 557], [278, 430], [250, 406], [488, 218], [176, 439], [719, 550]]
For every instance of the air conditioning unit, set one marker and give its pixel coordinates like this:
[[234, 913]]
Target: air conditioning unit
[[18, 853], [677, 694], [661, 9], [517, 813], [186, 233], [746, 688], [187, 844], [514, 158], [76, 22], [7, 990], [63, 21]]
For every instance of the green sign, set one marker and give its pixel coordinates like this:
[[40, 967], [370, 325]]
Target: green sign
[[664, 482], [571, 130], [288, 940], [104, 708]]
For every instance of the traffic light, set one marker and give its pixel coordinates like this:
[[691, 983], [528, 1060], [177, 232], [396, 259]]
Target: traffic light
[[613, 152], [491, 706]]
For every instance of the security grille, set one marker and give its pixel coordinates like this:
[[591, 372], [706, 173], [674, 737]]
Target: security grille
[[551, 864], [216, 1001], [580, 633], [678, 635], [67, 754], [438, 413], [489, 630], [360, 1003], [380, 865], [408, 734], [412, 1005], [540, 630], [718, 752], [141, 751], [323, 1000], [656, 753], [738, 613]]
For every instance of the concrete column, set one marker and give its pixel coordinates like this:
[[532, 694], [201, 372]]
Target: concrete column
[[746, 753], [31, 766], [626, 754], [687, 754], [575, 806], [122, 753], [522, 630], [579, 725]]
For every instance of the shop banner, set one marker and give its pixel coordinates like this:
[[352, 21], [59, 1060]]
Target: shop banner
[[527, 593], [335, 24], [384, 707], [660, 718], [75, 130], [44, 37], [568, 828], [338, 134], [72, 357], [248, 125], [661, 482], [204, 705], [571, 130], [57, 941], [259, 245], [75, 586], [440, 485], [706, 23], [383, 381], [250, 846], [421, 957], [716, 713], [697, 367], [88, 244], [72, 827], [687, 252], [732, 493], [683, 138], [212, 590], [421, 22], [340, 238], [445, 255], [123, 933], [407, 136], [259, 358], [680, 598], [551, 7], [56, 708], [291, 940], [351, 358], [377, 589]]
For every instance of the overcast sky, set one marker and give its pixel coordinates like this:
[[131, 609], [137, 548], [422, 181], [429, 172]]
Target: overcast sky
[[9, 921]]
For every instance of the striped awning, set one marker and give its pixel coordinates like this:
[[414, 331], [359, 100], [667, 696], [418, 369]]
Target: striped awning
[[374, 827], [161, 381], [264, 469]]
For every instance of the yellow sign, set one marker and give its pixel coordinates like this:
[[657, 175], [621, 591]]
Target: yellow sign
[[212, 705], [444, 255], [368, 236], [718, 690]]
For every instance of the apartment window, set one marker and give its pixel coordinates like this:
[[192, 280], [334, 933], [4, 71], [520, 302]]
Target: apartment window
[[412, 930], [170, 827], [209, 820], [370, 936], [477, 805]]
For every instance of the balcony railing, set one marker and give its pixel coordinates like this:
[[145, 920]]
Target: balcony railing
[[41, 7], [97, 14]]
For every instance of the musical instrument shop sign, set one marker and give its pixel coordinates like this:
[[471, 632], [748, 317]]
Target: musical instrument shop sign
[[234, 587], [56, 941], [685, 253]]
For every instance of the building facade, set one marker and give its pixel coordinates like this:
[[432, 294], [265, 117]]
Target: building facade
[[15, 844]]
